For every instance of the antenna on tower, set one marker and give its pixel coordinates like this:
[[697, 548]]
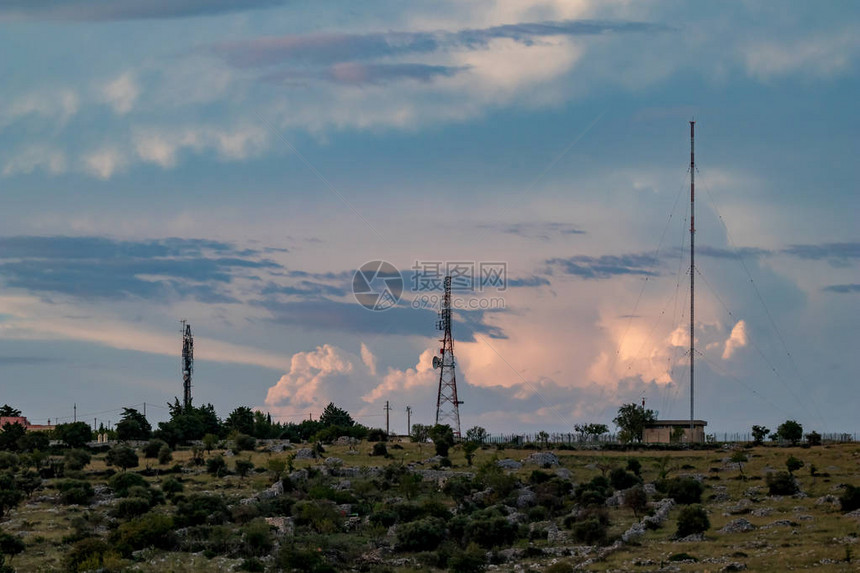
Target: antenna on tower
[[692, 265], [447, 403], [187, 363]]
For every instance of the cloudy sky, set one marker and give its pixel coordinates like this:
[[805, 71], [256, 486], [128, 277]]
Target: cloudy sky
[[234, 163]]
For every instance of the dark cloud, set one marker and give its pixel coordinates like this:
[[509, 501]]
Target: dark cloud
[[353, 73], [101, 268], [325, 314], [532, 281], [543, 231], [105, 10], [321, 49], [843, 289], [307, 289], [605, 266], [837, 253], [742, 252]]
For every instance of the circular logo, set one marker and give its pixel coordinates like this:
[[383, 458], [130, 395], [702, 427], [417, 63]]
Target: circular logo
[[377, 285]]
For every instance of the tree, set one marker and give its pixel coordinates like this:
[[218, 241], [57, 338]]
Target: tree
[[476, 434], [334, 416], [209, 442], [759, 433], [793, 464], [241, 420], [443, 438], [133, 426], [11, 435], [631, 419], [813, 438], [790, 431], [590, 432], [420, 433], [7, 411], [122, 457], [543, 437], [76, 459], [188, 423], [469, 449], [693, 519], [636, 499], [739, 457], [75, 435]]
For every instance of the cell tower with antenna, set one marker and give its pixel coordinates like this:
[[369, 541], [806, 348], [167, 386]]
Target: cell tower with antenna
[[187, 363], [447, 403]]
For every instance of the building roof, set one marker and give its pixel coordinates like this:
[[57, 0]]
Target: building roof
[[675, 423]]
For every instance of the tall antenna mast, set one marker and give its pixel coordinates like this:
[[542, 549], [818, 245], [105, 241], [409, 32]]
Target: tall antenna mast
[[692, 265], [447, 403], [187, 363]]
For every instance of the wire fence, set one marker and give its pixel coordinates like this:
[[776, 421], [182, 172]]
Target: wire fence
[[576, 439]]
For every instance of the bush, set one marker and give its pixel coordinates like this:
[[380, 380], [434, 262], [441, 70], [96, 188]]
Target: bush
[[377, 435], [781, 483], [153, 448], [132, 507], [422, 535], [472, 560], [320, 515], [198, 509], [634, 466], [594, 492], [850, 500], [692, 519], [683, 490], [76, 459], [793, 464], [257, 538], [813, 438], [379, 449], [622, 479], [591, 531], [172, 486], [216, 466], [11, 545], [91, 554], [245, 443], [493, 532], [790, 431], [150, 530], [121, 483], [165, 455], [292, 558], [75, 492], [244, 467], [122, 457]]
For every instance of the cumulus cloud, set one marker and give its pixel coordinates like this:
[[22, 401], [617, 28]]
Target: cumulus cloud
[[87, 10], [737, 339], [121, 93], [163, 146], [36, 158], [105, 162], [822, 56], [422, 375], [58, 105]]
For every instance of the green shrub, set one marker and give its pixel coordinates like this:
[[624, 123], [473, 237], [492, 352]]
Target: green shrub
[[781, 483], [121, 483], [123, 457], [91, 554], [152, 448], [620, 478], [422, 535], [493, 532], [257, 538], [76, 459], [379, 449], [594, 492], [850, 499], [472, 560], [8, 461], [684, 490], [75, 492], [309, 560], [165, 455], [216, 466], [244, 467], [132, 507], [11, 545], [320, 515], [198, 509], [793, 464], [682, 557], [634, 466], [591, 531], [171, 486], [150, 530], [692, 519], [245, 443], [252, 564], [377, 435]]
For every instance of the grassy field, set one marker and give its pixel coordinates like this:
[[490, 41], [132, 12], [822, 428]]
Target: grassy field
[[790, 533]]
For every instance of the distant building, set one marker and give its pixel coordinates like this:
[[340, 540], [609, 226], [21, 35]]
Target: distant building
[[674, 431], [23, 421]]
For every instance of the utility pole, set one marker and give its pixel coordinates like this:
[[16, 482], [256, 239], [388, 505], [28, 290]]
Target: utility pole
[[144, 409], [408, 420], [387, 410], [75, 408]]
